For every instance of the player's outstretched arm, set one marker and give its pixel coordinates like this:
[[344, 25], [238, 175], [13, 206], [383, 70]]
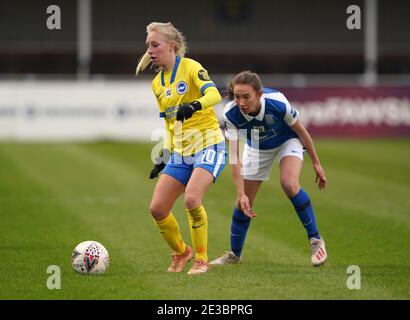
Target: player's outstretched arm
[[307, 142], [210, 98], [242, 200]]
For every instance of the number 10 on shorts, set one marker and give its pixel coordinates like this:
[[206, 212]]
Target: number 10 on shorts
[[209, 156]]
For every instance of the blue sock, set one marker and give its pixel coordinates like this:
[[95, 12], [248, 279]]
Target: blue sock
[[304, 209], [239, 227]]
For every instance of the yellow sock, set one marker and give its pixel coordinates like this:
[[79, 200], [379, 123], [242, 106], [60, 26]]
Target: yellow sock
[[198, 225], [170, 231]]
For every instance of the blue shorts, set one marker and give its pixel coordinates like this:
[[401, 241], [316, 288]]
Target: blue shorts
[[212, 159]]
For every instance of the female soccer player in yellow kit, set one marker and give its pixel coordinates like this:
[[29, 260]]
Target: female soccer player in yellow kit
[[194, 153]]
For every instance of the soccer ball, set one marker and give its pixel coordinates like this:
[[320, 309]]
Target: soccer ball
[[90, 257]]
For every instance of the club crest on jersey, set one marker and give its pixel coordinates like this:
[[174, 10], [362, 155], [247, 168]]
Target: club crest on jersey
[[182, 87], [269, 119]]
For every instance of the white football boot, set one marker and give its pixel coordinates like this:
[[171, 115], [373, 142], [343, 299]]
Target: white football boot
[[318, 251], [227, 258]]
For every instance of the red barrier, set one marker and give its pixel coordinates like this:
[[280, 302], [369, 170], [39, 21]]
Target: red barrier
[[353, 112]]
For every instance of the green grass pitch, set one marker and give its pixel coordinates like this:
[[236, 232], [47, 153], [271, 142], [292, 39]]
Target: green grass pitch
[[53, 196]]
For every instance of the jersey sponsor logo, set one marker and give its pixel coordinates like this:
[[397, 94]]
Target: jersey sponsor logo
[[170, 112], [182, 87], [203, 75], [269, 119], [260, 133], [293, 113]]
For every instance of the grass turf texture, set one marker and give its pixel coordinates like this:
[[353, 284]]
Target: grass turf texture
[[54, 196]]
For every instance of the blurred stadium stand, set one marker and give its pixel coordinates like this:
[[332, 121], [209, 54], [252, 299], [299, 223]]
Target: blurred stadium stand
[[269, 37], [301, 47]]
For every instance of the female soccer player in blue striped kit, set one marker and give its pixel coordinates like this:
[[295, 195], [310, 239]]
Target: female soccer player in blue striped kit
[[273, 130], [193, 154]]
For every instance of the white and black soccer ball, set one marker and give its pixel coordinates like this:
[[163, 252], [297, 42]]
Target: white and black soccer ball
[[90, 257]]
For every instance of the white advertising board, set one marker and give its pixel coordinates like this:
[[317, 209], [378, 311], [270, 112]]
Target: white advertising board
[[77, 111]]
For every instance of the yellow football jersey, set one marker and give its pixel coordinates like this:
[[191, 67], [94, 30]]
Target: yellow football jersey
[[186, 82]]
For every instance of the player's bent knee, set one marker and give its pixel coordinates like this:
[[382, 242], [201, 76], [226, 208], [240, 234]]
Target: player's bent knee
[[291, 188], [157, 212], [191, 201]]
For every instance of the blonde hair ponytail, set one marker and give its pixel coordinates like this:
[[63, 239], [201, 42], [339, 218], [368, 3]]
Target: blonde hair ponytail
[[143, 62], [171, 34]]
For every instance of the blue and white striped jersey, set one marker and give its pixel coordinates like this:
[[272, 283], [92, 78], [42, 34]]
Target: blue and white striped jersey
[[267, 130]]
